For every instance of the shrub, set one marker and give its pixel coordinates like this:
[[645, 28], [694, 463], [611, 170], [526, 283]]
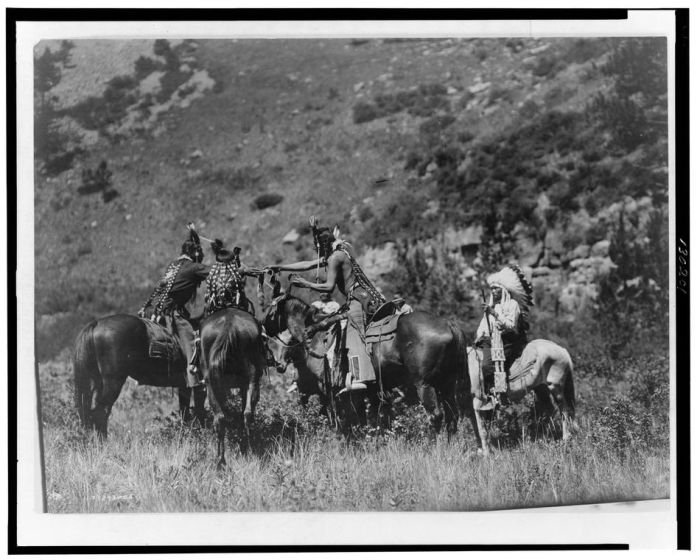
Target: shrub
[[144, 67], [169, 82], [266, 200], [545, 66], [583, 50], [97, 113], [639, 66], [55, 147], [436, 125], [97, 180], [365, 112], [232, 178]]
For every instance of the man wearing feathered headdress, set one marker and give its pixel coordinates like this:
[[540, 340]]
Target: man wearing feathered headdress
[[344, 273], [502, 333], [178, 287]]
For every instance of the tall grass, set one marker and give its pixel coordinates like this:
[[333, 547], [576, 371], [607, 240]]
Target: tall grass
[[155, 472], [154, 463]]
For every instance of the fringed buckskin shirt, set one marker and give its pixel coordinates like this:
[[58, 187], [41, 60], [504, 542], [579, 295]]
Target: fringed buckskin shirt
[[188, 279], [507, 319]]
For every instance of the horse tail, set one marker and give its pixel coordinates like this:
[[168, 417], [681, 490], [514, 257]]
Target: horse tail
[[224, 346], [85, 372], [459, 341], [569, 389]]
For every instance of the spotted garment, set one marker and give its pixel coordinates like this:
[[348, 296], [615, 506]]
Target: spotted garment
[[225, 288], [162, 301]]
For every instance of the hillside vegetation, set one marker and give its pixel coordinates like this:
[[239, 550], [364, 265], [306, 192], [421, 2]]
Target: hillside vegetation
[[440, 160]]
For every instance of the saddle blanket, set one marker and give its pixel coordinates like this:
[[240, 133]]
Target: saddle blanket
[[519, 375], [382, 330], [162, 343]]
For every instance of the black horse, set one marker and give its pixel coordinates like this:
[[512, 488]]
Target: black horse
[[109, 350], [428, 354], [233, 356]]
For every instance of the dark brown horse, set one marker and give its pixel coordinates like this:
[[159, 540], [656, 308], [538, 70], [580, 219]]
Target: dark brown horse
[[427, 353], [109, 350], [233, 356]]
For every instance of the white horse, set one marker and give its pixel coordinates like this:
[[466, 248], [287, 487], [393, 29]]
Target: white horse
[[544, 368]]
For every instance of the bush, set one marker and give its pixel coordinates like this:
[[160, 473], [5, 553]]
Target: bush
[[583, 50], [436, 125], [99, 180], [639, 67], [232, 178], [267, 200], [169, 82], [365, 112], [144, 67], [97, 113], [545, 66]]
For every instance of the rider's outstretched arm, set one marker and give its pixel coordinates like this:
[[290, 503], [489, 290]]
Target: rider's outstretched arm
[[301, 266], [251, 271], [326, 286]]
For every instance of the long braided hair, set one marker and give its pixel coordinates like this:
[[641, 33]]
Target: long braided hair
[[191, 250], [327, 242], [225, 285]]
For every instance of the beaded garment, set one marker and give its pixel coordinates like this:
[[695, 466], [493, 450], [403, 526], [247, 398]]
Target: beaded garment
[[225, 288]]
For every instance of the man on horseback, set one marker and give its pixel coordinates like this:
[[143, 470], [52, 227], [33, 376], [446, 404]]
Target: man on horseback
[[226, 281], [502, 333], [362, 299], [178, 287]]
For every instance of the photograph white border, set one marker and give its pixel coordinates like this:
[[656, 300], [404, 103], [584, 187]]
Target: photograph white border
[[641, 524]]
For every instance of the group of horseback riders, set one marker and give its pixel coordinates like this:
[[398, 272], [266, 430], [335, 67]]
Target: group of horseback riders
[[502, 333]]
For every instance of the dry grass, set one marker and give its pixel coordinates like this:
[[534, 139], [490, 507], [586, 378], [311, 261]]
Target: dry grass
[[154, 463]]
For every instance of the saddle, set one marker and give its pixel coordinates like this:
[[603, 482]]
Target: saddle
[[517, 376], [382, 326], [163, 345]]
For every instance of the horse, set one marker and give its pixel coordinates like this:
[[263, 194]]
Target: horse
[[546, 369], [110, 349], [427, 353], [233, 356]]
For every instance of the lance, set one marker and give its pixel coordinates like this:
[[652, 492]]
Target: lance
[[486, 315]]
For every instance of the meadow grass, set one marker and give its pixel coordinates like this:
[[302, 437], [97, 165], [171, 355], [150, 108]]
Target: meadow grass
[[152, 462]]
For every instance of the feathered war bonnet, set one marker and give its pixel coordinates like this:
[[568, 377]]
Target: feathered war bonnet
[[514, 283]]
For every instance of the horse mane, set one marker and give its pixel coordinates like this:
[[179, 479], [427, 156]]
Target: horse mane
[[294, 305]]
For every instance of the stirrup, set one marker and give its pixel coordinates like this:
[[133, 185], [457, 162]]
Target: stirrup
[[491, 403]]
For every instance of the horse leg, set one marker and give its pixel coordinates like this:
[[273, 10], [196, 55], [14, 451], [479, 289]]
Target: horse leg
[[448, 400], [544, 407], [429, 400], [479, 427], [564, 407], [376, 410], [183, 397], [218, 401], [251, 397], [200, 396], [106, 396]]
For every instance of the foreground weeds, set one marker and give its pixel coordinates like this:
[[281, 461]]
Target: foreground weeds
[[152, 462]]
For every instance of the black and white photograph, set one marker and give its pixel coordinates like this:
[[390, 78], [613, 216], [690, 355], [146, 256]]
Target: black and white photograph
[[335, 267]]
